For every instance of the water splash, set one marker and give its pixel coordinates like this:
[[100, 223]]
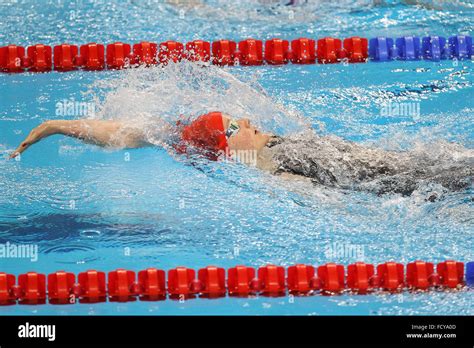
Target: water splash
[[155, 98]]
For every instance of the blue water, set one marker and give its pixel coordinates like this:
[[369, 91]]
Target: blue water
[[90, 208]]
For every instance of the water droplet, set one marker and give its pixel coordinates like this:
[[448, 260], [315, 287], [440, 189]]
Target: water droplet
[[89, 233]]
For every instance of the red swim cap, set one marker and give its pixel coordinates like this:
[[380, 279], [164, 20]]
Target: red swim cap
[[206, 132]]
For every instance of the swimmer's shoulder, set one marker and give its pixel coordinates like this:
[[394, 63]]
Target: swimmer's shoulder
[[267, 163], [265, 158]]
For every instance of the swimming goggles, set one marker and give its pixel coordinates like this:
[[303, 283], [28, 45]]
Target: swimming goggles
[[233, 129]]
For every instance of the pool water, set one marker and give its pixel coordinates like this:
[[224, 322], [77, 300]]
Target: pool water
[[90, 208]]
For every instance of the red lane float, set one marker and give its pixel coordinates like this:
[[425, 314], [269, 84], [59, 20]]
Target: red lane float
[[276, 51], [211, 282], [360, 277], [151, 284], [391, 276], [223, 52], [239, 280], [419, 274], [272, 280], [301, 279], [92, 56], [39, 58], [182, 282], [357, 49], [198, 50], [11, 57], [61, 287], [251, 52], [303, 51], [145, 53], [170, 51], [91, 287], [120, 286], [7, 289], [332, 277], [451, 273], [65, 57], [118, 55], [329, 50], [31, 288]]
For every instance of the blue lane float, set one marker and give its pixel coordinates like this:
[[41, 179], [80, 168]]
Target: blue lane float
[[434, 48], [381, 49], [470, 274], [460, 47], [408, 48]]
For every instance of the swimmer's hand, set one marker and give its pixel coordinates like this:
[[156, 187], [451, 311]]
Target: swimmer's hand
[[38, 133]]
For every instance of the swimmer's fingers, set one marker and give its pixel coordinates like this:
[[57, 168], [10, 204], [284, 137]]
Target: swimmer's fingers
[[32, 138], [23, 146], [35, 135], [13, 154]]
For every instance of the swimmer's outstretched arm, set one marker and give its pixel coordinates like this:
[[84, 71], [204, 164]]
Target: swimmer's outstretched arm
[[97, 132]]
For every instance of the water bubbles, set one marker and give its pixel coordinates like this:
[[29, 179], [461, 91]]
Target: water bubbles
[[72, 254], [90, 234], [349, 302]]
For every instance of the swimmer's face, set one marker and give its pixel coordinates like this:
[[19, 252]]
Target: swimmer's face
[[247, 138]]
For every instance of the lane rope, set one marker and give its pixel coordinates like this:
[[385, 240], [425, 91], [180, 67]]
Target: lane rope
[[154, 284], [249, 52]]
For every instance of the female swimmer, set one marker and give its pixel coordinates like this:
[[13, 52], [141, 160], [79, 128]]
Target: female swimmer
[[325, 160]]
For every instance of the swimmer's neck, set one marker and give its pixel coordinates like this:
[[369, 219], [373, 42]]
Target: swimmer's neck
[[265, 159]]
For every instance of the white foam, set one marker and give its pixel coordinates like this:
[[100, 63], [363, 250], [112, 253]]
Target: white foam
[[152, 98]]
